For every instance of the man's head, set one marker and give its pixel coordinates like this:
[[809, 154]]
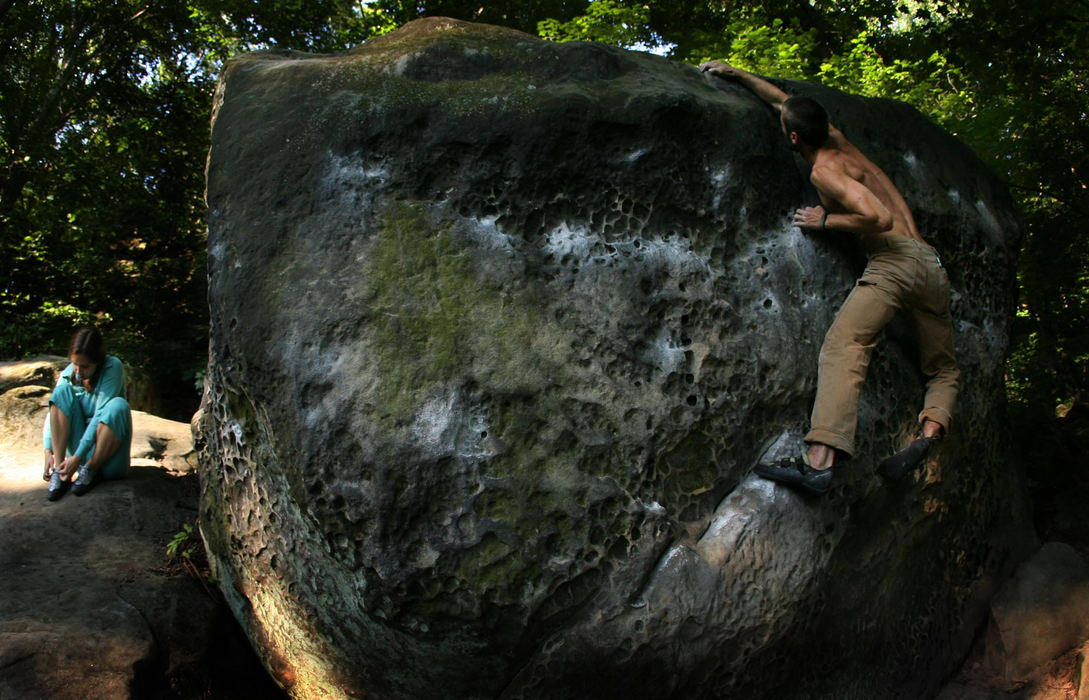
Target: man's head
[[805, 117]]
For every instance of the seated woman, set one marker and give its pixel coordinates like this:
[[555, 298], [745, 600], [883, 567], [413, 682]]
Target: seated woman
[[88, 432]]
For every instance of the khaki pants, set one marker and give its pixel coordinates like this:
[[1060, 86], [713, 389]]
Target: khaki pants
[[901, 274]]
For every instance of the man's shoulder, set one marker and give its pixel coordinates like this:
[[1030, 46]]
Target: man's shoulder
[[843, 159], [829, 165]]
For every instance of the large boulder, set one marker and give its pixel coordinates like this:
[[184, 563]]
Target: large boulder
[[498, 329]]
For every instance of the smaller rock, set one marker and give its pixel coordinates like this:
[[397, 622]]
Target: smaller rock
[[1041, 613], [158, 442], [42, 370], [22, 417]]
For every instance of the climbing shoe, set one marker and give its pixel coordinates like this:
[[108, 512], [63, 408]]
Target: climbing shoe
[[57, 486], [895, 467], [84, 480], [794, 471]]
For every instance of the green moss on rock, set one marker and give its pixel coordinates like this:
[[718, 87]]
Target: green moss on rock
[[439, 322]]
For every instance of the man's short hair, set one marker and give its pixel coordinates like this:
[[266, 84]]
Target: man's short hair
[[807, 118]]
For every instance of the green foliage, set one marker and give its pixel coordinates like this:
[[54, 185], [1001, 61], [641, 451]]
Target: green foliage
[[185, 555], [929, 84], [85, 164], [184, 543], [606, 22], [104, 112], [783, 49], [1029, 124]]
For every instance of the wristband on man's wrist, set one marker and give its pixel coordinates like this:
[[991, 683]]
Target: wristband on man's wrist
[[824, 220]]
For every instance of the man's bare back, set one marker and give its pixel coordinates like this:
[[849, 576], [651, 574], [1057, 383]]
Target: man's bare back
[[839, 158]]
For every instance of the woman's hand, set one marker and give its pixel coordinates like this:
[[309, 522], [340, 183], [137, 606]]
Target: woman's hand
[[69, 467], [48, 465]]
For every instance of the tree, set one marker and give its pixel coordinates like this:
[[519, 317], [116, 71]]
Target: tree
[[74, 72], [1030, 125], [104, 112], [606, 22]]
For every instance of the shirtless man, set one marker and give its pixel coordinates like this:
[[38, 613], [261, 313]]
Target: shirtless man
[[903, 273]]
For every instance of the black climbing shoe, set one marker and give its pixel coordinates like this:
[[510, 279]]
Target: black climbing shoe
[[895, 467], [793, 471]]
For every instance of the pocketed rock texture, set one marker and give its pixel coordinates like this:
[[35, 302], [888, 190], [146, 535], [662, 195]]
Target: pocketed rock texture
[[500, 326]]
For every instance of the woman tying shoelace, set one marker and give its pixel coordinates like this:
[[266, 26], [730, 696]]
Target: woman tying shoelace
[[88, 432]]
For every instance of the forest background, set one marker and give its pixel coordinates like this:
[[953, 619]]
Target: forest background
[[104, 129]]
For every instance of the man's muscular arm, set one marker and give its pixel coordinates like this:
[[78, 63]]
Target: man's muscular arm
[[858, 210], [862, 211], [757, 85]]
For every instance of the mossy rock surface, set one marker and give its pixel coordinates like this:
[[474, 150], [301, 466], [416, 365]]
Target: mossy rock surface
[[499, 327]]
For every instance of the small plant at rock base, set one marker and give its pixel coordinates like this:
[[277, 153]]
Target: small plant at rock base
[[183, 544], [185, 554]]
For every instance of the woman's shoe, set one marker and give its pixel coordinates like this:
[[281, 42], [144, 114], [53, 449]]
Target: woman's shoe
[[84, 480], [57, 486]]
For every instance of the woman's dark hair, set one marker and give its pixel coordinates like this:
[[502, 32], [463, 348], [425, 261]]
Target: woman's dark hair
[[807, 118], [87, 341]]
